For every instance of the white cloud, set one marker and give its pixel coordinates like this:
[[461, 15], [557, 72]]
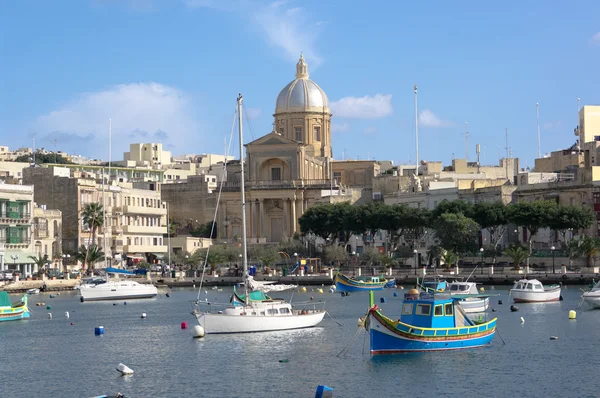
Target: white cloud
[[139, 112], [371, 130], [429, 119], [367, 107], [290, 29], [340, 128], [595, 39]]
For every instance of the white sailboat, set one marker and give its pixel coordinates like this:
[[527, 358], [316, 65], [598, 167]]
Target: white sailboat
[[254, 312]]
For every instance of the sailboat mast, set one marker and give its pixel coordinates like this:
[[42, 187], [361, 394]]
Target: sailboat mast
[[104, 221], [243, 189]]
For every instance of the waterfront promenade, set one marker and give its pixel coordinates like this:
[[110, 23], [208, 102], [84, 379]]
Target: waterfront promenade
[[404, 277]]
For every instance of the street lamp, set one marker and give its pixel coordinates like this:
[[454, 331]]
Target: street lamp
[[416, 260], [481, 251], [552, 249], [14, 257], [65, 257]]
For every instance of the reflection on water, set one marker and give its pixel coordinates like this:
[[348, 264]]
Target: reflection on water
[[61, 359]]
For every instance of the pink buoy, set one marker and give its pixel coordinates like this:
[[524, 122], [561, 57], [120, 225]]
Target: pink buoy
[[72, 324], [184, 325]]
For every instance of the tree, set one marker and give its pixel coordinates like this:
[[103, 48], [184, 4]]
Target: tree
[[456, 232], [571, 217], [392, 221], [335, 254], [373, 214], [92, 216], [493, 218], [315, 221], [268, 256], [453, 207], [40, 262], [207, 230], [450, 258], [434, 252], [532, 216], [370, 255], [517, 254], [89, 255], [414, 224], [588, 247], [41, 158]]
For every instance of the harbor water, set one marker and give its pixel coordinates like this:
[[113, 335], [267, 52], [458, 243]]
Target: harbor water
[[45, 357]]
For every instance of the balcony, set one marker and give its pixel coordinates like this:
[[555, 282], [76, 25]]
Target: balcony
[[136, 229], [144, 249], [282, 184], [15, 217], [151, 211]]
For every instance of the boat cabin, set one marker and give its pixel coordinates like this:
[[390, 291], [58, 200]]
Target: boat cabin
[[529, 285], [432, 310], [462, 287], [434, 285], [368, 279]]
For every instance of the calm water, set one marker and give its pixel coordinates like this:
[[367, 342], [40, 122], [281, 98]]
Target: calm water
[[51, 358]]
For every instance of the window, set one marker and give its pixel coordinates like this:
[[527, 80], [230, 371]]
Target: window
[[597, 138], [423, 309], [317, 130], [407, 309], [438, 310], [298, 131], [449, 310], [276, 174], [284, 310], [272, 311]]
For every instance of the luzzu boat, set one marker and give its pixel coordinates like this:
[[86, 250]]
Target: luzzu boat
[[344, 283], [429, 322], [10, 311]]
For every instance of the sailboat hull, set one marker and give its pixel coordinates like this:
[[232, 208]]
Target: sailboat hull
[[224, 323]]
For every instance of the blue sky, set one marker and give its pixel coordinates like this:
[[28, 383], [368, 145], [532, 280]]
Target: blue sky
[[170, 71]]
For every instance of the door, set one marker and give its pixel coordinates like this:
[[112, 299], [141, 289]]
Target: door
[[276, 229]]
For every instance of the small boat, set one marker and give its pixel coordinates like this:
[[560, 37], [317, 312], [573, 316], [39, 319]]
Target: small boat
[[13, 311], [344, 283], [433, 285], [117, 289], [391, 283], [465, 293], [33, 291], [532, 291], [592, 297], [428, 322]]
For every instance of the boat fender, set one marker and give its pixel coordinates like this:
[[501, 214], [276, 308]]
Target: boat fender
[[395, 294], [499, 302], [81, 299], [514, 308], [382, 300], [553, 337]]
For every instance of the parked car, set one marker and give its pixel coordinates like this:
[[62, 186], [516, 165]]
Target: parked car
[[6, 276]]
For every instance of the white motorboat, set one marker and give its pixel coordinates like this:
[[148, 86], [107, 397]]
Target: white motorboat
[[592, 297], [116, 289], [253, 311], [33, 291], [532, 291], [268, 286], [467, 296]]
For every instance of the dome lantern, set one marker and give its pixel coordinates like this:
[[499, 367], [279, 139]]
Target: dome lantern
[[301, 68]]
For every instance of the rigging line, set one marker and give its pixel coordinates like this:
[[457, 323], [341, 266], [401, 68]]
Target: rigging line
[[498, 331], [248, 122], [329, 315], [224, 173]]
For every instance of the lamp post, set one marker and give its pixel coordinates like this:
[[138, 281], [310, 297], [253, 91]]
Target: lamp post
[[552, 249], [482, 252], [14, 257], [65, 257], [416, 252]]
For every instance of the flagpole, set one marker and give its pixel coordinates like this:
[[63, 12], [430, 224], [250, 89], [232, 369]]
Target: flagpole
[[416, 133], [537, 112]]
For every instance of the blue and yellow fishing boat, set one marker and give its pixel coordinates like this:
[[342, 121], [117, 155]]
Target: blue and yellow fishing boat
[[10, 311], [357, 284], [429, 322]]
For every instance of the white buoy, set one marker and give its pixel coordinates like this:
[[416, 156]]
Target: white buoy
[[143, 315], [522, 320], [67, 314], [332, 290], [553, 337], [198, 332], [194, 286], [49, 315], [206, 292], [124, 369]]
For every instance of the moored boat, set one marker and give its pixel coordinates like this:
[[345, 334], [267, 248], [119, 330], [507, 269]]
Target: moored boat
[[344, 283], [465, 293], [532, 291], [117, 289], [33, 291], [592, 297], [13, 311], [428, 322]]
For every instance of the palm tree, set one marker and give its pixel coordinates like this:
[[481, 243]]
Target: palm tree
[[89, 255], [588, 247], [40, 262], [449, 258], [517, 253], [92, 216]]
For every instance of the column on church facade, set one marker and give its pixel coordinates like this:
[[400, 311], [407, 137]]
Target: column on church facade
[[286, 217], [261, 218], [251, 214], [300, 211], [294, 221]]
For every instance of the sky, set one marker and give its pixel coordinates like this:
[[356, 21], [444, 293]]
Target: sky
[[170, 70]]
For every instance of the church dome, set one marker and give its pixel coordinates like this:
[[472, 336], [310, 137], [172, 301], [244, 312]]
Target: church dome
[[302, 94]]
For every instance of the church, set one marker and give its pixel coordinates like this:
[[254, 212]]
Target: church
[[292, 168]]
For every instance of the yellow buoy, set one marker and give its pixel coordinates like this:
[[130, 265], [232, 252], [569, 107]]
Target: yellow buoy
[[481, 289], [320, 290], [572, 314], [303, 289]]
